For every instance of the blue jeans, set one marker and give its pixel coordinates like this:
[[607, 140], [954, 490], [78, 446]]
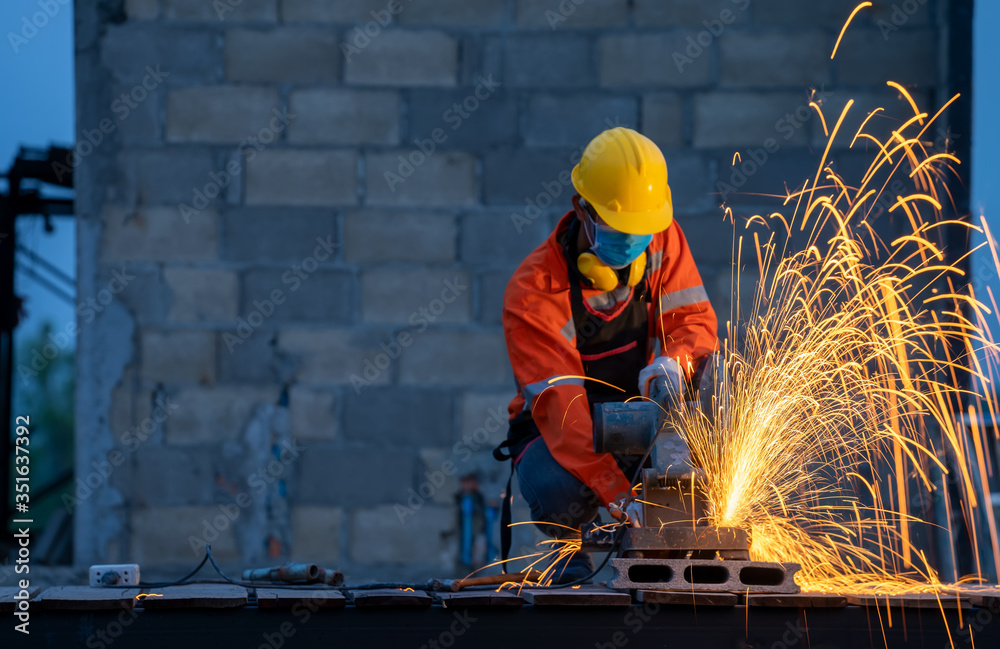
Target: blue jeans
[[559, 498], [556, 496]]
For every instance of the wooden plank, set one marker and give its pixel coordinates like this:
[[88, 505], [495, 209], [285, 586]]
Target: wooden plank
[[7, 602], [983, 596], [195, 596], [986, 600], [686, 598], [86, 598], [471, 598], [915, 600], [390, 597], [583, 596], [799, 600], [288, 597]]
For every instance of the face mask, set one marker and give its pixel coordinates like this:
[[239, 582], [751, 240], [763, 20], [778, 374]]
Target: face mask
[[614, 248]]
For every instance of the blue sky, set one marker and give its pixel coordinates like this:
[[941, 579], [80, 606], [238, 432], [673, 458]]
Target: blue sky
[[986, 126], [985, 169], [38, 111]]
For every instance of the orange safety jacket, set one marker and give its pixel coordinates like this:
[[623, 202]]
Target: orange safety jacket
[[542, 344]]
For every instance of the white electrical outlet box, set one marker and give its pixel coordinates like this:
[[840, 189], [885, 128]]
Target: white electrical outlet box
[[115, 574]]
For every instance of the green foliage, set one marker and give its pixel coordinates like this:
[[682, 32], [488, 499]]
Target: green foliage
[[45, 394]]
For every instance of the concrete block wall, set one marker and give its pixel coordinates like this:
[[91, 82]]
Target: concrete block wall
[[316, 206]]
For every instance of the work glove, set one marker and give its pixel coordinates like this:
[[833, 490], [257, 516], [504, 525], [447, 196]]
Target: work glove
[[630, 514], [662, 381]]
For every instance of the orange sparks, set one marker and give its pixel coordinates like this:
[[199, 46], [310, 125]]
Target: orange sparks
[[909, 98], [846, 407], [849, 358], [903, 200], [815, 106], [849, 19]]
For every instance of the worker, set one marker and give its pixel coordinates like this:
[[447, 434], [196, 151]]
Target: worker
[[610, 306]]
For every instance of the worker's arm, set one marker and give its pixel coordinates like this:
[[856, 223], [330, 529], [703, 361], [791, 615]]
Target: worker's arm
[[541, 354], [685, 325]]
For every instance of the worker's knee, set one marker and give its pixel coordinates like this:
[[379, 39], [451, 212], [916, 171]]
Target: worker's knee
[[554, 494], [556, 513]]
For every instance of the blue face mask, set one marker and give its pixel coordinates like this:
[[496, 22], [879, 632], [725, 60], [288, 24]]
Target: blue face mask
[[617, 249]]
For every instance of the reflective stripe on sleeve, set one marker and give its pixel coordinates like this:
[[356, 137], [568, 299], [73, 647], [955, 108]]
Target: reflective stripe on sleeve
[[654, 261], [531, 391], [682, 298]]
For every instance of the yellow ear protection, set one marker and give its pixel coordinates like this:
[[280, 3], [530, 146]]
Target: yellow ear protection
[[600, 275], [603, 277]]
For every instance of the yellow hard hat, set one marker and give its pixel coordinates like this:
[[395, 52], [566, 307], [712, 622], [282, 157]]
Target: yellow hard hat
[[623, 175]]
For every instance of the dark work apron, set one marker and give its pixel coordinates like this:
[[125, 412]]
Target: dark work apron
[[613, 351]]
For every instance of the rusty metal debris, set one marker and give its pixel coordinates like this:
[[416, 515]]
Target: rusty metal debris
[[308, 573]]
